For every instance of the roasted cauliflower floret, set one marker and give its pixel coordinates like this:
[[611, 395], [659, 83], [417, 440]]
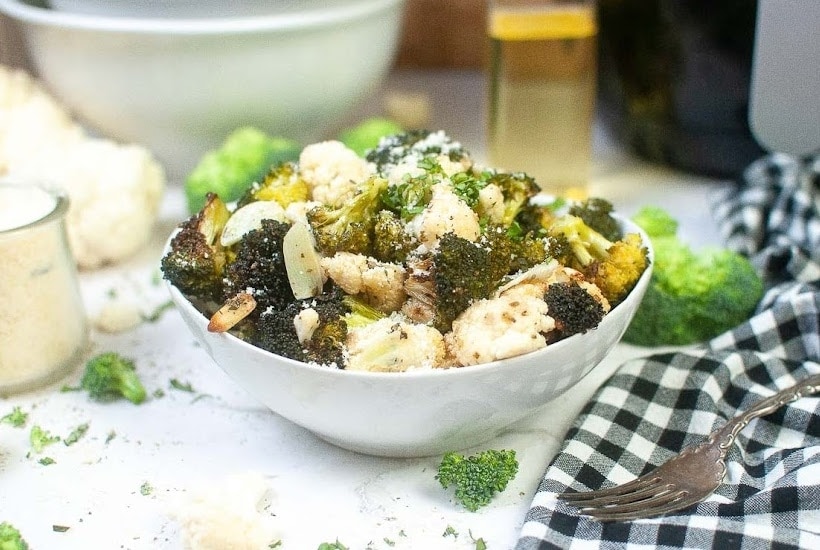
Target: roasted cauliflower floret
[[332, 171], [393, 344], [378, 284], [497, 328], [446, 213]]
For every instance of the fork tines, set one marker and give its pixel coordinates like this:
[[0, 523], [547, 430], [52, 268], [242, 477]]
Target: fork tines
[[640, 498]]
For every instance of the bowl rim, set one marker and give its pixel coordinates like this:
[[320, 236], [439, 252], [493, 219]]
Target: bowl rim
[[627, 226], [33, 14]]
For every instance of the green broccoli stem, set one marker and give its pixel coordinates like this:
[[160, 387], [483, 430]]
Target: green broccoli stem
[[131, 387]]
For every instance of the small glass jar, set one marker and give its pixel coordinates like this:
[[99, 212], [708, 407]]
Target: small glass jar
[[43, 326]]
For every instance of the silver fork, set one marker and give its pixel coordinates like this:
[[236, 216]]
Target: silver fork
[[686, 478]]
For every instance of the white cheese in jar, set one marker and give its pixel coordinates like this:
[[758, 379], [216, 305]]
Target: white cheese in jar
[[42, 319]]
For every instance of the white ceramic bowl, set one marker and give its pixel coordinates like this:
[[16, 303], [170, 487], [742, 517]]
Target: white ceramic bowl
[[179, 86], [416, 413], [190, 9]]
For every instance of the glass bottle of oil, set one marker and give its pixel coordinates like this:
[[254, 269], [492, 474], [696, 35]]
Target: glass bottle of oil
[[543, 75]]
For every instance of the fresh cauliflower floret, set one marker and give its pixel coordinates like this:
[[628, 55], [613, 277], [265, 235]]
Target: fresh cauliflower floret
[[114, 193], [30, 119], [446, 213], [506, 326], [114, 190], [379, 284], [333, 171], [393, 344]]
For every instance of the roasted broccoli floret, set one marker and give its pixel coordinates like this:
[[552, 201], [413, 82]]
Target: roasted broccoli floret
[[391, 241], [574, 309], [259, 268], [321, 341], [479, 477], [275, 332], [518, 188], [326, 345], [468, 187], [536, 216], [618, 273], [109, 376], [243, 158], [367, 134], [359, 313], [597, 214], [409, 197], [693, 295], [348, 228], [418, 144], [615, 266], [10, 538], [282, 184], [195, 262], [464, 271], [527, 249], [586, 244]]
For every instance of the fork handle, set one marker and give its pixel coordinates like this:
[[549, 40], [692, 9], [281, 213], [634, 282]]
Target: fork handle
[[725, 436]]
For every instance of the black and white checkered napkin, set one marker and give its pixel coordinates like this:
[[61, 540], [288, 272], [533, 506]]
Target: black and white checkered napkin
[[653, 407]]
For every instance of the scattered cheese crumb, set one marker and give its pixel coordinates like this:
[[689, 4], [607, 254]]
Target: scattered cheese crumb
[[231, 514]]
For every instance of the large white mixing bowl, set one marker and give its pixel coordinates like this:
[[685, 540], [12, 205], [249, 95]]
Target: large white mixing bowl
[[179, 86]]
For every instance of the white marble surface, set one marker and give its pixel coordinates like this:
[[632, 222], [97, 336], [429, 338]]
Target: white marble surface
[[183, 441]]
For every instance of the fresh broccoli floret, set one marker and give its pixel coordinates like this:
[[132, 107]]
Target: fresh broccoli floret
[[348, 228], [418, 144], [17, 418], [391, 241], [196, 260], [656, 221], [109, 376], [479, 477], [693, 295], [282, 184], [259, 268], [243, 158], [597, 214], [574, 309], [464, 271], [10, 538], [367, 134], [518, 188], [40, 438]]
